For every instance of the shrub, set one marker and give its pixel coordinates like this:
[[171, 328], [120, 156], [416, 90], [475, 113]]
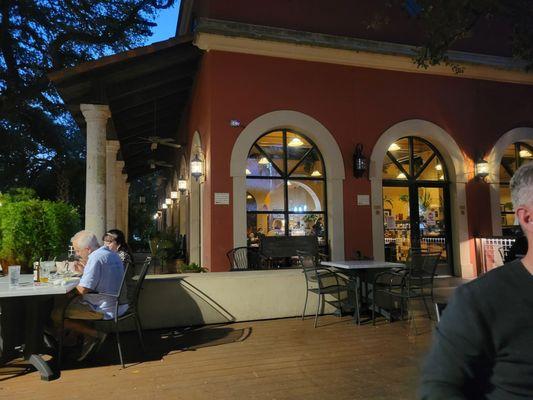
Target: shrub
[[31, 228]]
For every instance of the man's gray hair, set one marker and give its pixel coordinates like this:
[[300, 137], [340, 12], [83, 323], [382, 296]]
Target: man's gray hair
[[522, 186], [85, 239]]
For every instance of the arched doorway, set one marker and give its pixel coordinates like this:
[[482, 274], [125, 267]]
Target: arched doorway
[[416, 201], [286, 177]]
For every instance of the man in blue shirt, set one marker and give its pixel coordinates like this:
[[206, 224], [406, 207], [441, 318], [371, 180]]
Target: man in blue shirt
[[102, 276]]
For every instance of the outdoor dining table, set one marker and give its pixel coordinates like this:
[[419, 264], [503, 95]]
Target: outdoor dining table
[[23, 314], [357, 272]]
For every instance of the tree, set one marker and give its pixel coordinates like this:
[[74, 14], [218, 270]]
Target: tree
[[39, 141], [446, 22]]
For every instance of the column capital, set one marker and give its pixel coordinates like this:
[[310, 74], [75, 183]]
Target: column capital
[[95, 111]]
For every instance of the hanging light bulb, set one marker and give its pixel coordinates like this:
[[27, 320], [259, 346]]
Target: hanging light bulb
[[401, 175], [249, 196], [394, 147], [524, 153], [441, 177], [438, 167], [248, 172], [316, 173], [263, 161], [295, 142]]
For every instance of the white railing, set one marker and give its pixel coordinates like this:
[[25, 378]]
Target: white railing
[[492, 251]]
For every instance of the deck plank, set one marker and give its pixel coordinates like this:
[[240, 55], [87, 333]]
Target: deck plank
[[280, 359]]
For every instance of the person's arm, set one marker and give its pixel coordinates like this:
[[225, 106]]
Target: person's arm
[[455, 366], [90, 278]]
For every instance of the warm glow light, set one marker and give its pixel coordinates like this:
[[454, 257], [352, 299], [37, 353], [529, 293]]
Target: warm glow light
[[441, 177], [196, 167], [249, 196], [164, 206], [182, 185], [168, 201], [394, 147], [481, 169], [263, 161], [174, 194], [156, 216], [438, 167], [401, 175], [525, 153], [289, 183], [316, 173], [296, 142], [248, 172]]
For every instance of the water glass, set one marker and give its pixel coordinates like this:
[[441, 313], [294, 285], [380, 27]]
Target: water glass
[[46, 269], [14, 275]]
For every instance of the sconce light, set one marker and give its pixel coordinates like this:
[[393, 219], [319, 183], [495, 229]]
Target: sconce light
[[157, 214], [196, 167], [164, 206], [142, 200], [481, 169], [168, 201], [174, 194], [360, 162], [182, 185]]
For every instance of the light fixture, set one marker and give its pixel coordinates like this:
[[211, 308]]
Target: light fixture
[[182, 185], [295, 142], [316, 172], [234, 123], [394, 147], [263, 161], [441, 177], [438, 167], [401, 175], [524, 153], [360, 162], [168, 201], [152, 165], [248, 172], [174, 194], [249, 196], [142, 199], [289, 183], [481, 169], [156, 215], [196, 167], [164, 206]]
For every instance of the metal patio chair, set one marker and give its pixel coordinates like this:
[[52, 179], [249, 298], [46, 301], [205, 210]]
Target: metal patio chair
[[238, 258]]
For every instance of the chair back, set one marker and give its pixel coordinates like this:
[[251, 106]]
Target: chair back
[[134, 298], [309, 266], [422, 268], [238, 258]]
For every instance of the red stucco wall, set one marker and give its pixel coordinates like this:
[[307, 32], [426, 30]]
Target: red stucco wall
[[355, 105]]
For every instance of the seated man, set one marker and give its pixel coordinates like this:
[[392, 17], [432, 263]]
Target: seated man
[[102, 276], [483, 345]]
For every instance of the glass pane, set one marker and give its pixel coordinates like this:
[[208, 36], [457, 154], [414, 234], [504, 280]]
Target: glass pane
[[506, 207], [268, 194], [308, 225], [311, 166], [400, 151], [297, 146], [391, 171], [434, 171], [259, 225], [396, 223], [508, 165], [432, 222], [272, 145], [276, 224], [258, 165], [306, 195], [421, 153]]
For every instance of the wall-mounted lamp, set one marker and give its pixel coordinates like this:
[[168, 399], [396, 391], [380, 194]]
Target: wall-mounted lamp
[[168, 201], [196, 167], [481, 169], [164, 206], [182, 185], [142, 200], [360, 162], [174, 194]]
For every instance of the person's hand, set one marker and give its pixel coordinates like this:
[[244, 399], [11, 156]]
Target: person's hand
[[79, 266]]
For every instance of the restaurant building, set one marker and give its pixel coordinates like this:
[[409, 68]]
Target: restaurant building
[[274, 102]]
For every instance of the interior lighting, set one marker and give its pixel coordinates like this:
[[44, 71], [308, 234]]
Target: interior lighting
[[401, 175], [164, 206], [248, 172], [524, 153], [174, 194], [295, 142], [316, 173], [263, 161], [394, 147], [481, 169], [168, 201], [438, 167]]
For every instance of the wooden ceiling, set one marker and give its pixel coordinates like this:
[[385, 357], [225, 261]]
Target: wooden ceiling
[[146, 89]]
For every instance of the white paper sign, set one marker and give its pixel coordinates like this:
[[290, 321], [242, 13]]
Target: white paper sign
[[221, 198], [363, 200]]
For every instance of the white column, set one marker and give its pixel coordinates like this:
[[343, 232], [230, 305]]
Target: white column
[[112, 147], [126, 206], [118, 198], [96, 117]]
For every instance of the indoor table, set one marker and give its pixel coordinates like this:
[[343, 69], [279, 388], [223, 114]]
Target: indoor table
[[24, 310]]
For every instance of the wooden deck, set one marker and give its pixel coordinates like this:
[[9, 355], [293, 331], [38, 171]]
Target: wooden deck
[[276, 359]]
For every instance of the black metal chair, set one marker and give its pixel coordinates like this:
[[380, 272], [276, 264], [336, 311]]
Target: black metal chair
[[413, 282], [115, 324], [238, 258], [321, 281]]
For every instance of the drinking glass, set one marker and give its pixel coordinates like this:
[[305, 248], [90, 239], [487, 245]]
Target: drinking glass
[[14, 275], [46, 268]]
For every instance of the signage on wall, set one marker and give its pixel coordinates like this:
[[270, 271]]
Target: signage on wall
[[222, 198], [363, 200]]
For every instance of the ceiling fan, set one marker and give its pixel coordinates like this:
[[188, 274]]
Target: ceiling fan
[[154, 163], [156, 141]]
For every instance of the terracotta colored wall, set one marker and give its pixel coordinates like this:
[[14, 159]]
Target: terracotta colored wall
[[355, 105]]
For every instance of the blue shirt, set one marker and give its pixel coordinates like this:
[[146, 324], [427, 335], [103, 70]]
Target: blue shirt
[[103, 274]]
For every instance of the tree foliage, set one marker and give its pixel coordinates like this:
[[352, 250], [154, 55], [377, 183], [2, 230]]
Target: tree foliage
[[38, 139], [446, 22]]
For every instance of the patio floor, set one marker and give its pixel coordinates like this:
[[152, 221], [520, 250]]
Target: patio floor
[[275, 359]]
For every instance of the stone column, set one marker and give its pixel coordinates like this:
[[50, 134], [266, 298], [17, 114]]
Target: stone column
[[96, 117], [112, 147], [126, 207], [118, 198]]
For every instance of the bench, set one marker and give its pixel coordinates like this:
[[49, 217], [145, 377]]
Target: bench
[[278, 247]]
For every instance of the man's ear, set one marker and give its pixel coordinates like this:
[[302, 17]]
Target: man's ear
[[525, 218]]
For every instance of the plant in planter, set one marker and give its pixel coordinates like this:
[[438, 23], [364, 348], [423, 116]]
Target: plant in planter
[[193, 267]]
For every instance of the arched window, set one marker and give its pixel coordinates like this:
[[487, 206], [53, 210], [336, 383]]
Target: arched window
[[415, 199], [513, 157], [286, 178]]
